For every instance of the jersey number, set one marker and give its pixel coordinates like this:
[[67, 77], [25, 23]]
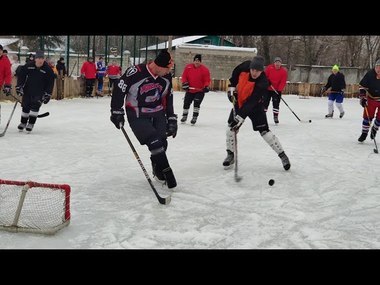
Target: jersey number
[[122, 85]]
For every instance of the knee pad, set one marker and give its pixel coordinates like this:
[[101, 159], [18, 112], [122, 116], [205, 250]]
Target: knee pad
[[156, 146]]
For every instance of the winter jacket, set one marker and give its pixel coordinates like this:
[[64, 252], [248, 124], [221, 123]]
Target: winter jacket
[[277, 77], [197, 77]]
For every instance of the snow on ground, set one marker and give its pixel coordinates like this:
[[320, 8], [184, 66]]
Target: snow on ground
[[328, 199]]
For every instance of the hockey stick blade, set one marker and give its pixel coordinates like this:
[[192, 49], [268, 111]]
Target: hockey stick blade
[[43, 115]]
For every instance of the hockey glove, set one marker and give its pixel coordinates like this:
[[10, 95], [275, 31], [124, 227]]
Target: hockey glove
[[172, 127], [232, 94], [117, 117], [19, 91], [46, 98], [7, 89], [185, 86], [206, 89], [363, 101], [236, 123]]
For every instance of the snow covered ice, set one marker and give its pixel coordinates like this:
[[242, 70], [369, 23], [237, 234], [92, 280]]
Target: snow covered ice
[[328, 199]]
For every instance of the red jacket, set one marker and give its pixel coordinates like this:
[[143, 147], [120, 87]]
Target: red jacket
[[5, 71], [113, 71], [89, 70], [277, 77], [197, 77]]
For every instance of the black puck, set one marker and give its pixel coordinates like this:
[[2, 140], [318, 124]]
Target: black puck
[[271, 182]]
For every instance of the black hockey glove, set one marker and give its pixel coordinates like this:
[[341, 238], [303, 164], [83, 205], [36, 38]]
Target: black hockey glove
[[172, 127], [185, 86], [206, 89], [19, 91], [117, 117], [46, 98], [363, 101], [236, 123], [232, 94], [323, 89], [7, 89]]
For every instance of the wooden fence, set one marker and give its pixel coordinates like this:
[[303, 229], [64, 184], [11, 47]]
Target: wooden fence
[[75, 87]]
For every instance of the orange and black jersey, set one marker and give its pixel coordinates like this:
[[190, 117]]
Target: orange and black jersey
[[250, 92]]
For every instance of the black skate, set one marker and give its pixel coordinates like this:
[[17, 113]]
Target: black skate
[[193, 120], [276, 121], [229, 160], [169, 177], [21, 127], [29, 127], [158, 175], [184, 118], [362, 137], [373, 133], [285, 160], [329, 115], [341, 115]]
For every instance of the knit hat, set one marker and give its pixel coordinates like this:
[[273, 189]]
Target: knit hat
[[1, 47], [257, 63], [377, 62], [198, 56], [163, 59], [277, 59], [335, 67], [39, 54]]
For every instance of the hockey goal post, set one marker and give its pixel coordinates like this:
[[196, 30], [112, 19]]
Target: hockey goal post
[[27, 206]]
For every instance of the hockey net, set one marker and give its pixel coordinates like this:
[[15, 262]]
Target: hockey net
[[34, 207]]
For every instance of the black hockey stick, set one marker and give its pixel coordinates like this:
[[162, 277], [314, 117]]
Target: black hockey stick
[[375, 150], [38, 116], [9, 120], [237, 177], [162, 200], [289, 107]]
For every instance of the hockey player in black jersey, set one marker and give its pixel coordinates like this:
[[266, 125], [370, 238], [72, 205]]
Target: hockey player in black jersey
[[145, 92], [248, 85], [35, 84]]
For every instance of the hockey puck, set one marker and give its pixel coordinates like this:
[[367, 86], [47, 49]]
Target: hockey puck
[[271, 182], [309, 121]]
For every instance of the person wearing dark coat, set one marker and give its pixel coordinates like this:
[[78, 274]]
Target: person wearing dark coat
[[247, 90], [35, 84]]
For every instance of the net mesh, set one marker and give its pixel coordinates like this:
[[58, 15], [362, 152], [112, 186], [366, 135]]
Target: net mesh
[[44, 207]]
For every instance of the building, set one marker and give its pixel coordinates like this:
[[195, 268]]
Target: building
[[218, 54]]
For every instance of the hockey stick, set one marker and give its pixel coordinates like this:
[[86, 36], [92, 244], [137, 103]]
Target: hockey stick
[[9, 120], [236, 175], [162, 200], [375, 150], [38, 116], [289, 107]]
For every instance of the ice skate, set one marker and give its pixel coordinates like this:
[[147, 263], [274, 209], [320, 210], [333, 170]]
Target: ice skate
[[362, 137], [285, 160], [21, 127], [229, 160], [29, 127]]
